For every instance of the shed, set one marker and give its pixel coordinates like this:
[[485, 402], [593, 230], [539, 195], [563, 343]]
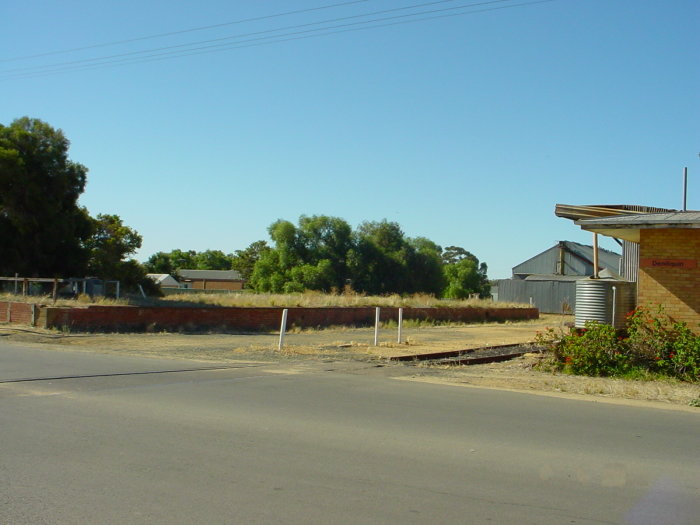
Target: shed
[[548, 279], [567, 258]]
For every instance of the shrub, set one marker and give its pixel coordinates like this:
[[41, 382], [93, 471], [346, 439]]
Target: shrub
[[653, 343], [595, 350]]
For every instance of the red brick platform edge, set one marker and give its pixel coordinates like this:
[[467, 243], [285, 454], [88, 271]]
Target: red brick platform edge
[[152, 319]]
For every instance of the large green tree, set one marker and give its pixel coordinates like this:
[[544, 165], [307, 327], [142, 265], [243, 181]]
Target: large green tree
[[42, 227], [109, 246], [464, 275], [311, 256], [244, 261]]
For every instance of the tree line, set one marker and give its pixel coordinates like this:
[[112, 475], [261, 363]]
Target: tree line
[[44, 232], [324, 253]]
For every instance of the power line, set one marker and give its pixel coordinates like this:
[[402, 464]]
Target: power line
[[129, 58], [243, 35], [181, 31]]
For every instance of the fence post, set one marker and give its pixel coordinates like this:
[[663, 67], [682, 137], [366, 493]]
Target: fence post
[[400, 323], [376, 326], [283, 328]]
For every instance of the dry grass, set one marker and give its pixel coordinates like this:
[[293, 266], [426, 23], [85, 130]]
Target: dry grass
[[311, 299], [307, 300], [81, 300]]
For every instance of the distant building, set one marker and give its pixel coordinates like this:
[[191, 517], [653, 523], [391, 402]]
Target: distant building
[[211, 279], [548, 280], [164, 280]]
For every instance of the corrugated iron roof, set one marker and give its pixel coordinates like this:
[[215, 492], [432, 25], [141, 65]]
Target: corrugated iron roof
[[211, 275], [577, 212], [628, 227]]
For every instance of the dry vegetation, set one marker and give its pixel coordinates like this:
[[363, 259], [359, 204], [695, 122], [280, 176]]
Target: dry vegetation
[[307, 300]]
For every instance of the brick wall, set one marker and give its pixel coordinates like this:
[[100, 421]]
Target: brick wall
[[17, 313], [677, 289], [132, 318], [214, 284]]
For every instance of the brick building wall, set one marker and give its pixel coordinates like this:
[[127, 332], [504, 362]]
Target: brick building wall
[[669, 272], [213, 284]]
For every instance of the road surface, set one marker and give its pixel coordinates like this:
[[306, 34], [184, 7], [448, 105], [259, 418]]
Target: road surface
[[109, 439]]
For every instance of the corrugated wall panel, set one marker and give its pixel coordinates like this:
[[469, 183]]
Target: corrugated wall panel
[[629, 269], [551, 297]]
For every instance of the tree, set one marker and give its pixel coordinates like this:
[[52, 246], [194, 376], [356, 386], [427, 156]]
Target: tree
[[109, 246], [464, 275], [42, 228], [160, 262], [183, 260], [212, 260], [379, 260], [243, 261], [311, 256], [324, 253]]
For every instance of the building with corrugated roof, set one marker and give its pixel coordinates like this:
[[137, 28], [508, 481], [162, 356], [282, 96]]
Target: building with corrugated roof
[[548, 279], [211, 279]]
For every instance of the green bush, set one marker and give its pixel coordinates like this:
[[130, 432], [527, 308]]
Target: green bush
[[652, 344]]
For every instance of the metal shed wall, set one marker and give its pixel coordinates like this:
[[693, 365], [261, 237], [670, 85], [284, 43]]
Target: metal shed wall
[[577, 259], [551, 297]]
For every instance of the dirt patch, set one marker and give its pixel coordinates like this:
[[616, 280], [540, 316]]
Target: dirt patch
[[520, 374], [356, 345]]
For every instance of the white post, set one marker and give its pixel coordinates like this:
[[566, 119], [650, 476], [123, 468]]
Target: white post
[[283, 328], [118, 289], [614, 300], [376, 326], [400, 323]]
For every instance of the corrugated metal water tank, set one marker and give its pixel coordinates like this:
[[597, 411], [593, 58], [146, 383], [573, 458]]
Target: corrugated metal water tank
[[602, 299]]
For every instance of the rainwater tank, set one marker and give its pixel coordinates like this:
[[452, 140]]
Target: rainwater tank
[[606, 301]]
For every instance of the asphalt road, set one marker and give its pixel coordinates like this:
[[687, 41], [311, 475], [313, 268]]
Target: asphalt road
[[117, 440]]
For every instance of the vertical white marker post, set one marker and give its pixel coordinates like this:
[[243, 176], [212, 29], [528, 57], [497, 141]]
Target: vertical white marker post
[[376, 326], [283, 328], [400, 323]]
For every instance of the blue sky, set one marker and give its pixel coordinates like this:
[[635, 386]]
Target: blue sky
[[466, 129]]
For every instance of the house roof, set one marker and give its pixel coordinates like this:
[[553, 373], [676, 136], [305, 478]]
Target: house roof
[[627, 227], [210, 275], [162, 278]]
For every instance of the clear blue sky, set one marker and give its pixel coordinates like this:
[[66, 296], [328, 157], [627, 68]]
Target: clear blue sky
[[465, 129]]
